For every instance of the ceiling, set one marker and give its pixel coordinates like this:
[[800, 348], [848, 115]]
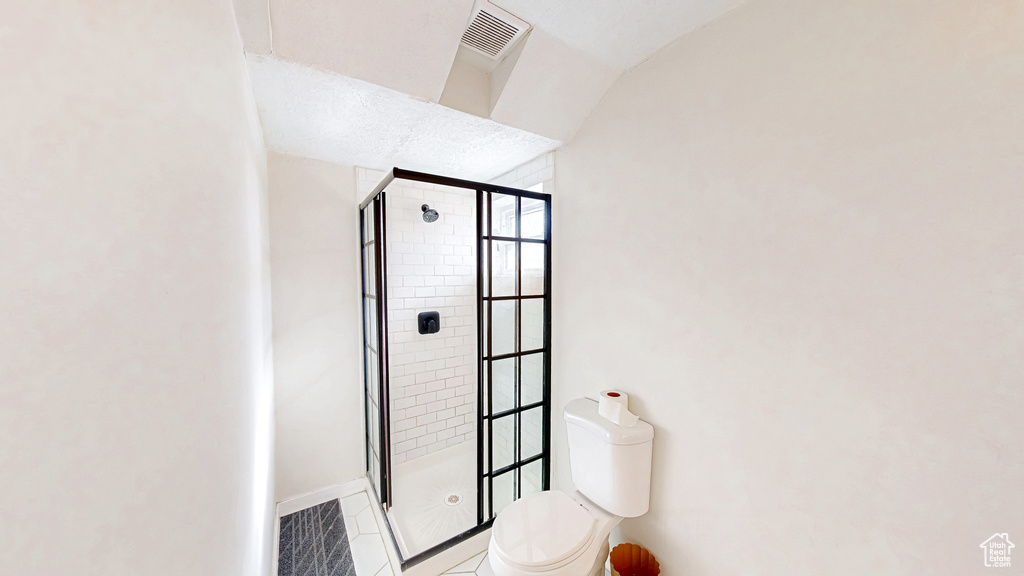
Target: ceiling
[[358, 82], [309, 113]]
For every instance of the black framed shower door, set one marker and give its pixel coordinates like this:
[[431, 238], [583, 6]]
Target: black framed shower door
[[375, 336], [513, 389]]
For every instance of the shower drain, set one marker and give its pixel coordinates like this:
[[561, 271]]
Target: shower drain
[[453, 499]]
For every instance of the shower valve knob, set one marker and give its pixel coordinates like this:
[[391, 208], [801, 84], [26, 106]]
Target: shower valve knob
[[429, 322]]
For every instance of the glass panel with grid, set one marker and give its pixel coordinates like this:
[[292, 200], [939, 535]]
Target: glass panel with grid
[[371, 372], [515, 347]]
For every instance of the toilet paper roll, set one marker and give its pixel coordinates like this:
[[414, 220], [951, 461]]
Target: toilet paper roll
[[614, 407], [616, 396]]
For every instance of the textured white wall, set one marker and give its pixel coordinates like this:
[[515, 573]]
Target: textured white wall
[[135, 384], [794, 238], [314, 256]]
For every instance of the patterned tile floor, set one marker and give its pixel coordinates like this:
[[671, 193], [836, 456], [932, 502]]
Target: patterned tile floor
[[477, 565], [368, 552]]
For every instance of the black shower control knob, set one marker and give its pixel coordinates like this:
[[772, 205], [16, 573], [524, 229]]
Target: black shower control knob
[[429, 322]]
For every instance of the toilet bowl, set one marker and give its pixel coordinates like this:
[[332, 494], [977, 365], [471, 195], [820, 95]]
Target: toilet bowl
[[551, 534], [555, 533]]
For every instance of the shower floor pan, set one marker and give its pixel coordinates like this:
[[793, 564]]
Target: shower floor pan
[[435, 498]]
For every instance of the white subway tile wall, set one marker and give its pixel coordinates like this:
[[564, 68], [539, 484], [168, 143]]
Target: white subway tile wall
[[431, 267]]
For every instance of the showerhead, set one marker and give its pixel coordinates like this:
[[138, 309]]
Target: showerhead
[[429, 215]]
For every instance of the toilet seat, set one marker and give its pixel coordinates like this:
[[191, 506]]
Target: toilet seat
[[543, 531]]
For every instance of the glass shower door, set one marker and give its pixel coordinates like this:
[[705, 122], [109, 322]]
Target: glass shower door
[[515, 342], [374, 289]]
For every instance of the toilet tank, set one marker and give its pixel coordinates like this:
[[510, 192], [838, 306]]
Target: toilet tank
[[611, 464]]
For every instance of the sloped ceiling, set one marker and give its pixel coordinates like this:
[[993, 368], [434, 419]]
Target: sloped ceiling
[[552, 88], [618, 33], [405, 45], [357, 82]]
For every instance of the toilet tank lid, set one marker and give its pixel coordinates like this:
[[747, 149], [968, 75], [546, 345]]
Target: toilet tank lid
[[583, 412]]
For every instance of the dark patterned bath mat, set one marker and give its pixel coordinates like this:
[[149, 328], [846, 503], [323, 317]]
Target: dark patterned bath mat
[[314, 543]]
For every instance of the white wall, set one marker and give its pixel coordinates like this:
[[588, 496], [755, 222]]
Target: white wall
[[794, 238], [314, 255], [135, 386], [431, 267], [253, 18]]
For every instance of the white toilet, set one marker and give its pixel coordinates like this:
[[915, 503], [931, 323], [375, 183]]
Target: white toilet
[[558, 534]]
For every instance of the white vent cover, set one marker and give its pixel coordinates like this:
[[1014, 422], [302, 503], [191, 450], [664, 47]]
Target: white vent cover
[[492, 31]]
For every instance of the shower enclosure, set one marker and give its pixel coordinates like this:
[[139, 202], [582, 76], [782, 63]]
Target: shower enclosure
[[456, 280]]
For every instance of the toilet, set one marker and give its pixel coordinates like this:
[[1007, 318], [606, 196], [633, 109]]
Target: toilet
[[556, 533]]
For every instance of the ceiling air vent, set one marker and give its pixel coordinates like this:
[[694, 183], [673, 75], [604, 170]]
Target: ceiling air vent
[[492, 31]]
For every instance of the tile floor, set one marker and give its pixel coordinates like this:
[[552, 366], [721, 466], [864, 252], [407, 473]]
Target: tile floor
[[365, 539], [477, 565]]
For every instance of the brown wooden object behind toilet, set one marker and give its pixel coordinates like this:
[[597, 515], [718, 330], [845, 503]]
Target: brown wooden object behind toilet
[[633, 560]]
